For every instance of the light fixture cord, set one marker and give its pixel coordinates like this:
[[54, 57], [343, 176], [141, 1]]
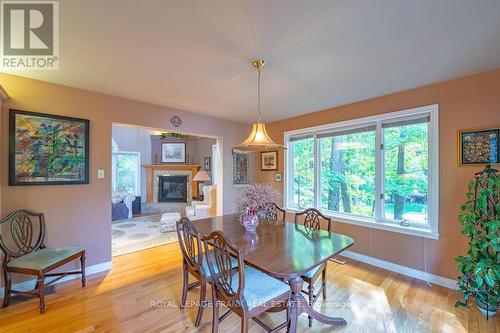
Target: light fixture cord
[[258, 94]]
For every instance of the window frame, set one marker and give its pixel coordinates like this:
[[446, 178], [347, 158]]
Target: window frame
[[431, 229], [115, 173]]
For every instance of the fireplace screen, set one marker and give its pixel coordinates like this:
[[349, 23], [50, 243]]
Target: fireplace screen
[[172, 189]]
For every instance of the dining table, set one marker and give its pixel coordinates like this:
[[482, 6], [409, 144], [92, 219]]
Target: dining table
[[284, 250]]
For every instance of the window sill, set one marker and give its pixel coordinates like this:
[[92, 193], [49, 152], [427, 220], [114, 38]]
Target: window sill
[[370, 223]]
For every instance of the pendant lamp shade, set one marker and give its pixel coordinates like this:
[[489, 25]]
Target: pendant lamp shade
[[258, 140]]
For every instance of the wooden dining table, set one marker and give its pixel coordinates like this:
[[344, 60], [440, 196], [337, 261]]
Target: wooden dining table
[[285, 251]]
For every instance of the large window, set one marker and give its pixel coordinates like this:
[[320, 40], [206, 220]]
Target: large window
[[378, 171]]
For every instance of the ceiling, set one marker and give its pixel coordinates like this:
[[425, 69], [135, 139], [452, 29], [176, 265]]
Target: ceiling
[[195, 55]]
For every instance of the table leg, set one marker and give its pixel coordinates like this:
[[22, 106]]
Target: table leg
[[300, 305]]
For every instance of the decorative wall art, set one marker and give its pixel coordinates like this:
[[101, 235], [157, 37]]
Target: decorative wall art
[[278, 177], [478, 146], [47, 149], [173, 152], [269, 161], [240, 168], [207, 161]]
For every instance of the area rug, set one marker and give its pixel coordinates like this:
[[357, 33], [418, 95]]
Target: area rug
[[137, 234]]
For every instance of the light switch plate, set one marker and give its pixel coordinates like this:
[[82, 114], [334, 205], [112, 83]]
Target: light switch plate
[[100, 174]]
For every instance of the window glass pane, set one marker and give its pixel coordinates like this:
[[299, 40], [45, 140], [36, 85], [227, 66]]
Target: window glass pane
[[347, 172], [302, 187], [406, 167], [126, 172]]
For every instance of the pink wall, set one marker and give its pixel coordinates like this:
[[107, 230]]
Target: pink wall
[[472, 101], [80, 215]]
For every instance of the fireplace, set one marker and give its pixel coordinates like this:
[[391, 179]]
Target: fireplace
[[172, 189]]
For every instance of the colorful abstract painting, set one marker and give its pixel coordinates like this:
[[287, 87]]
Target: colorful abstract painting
[[479, 147], [47, 149], [240, 168]]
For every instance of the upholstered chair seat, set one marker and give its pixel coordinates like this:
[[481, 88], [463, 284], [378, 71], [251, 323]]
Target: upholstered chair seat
[[204, 264], [43, 258], [259, 287]]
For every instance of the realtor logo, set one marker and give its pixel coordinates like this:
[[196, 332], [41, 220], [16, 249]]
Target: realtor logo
[[30, 35]]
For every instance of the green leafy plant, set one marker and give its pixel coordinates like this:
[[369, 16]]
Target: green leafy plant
[[480, 218], [164, 135]]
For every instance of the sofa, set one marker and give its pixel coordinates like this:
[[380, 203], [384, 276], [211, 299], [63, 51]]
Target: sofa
[[121, 205], [205, 208]]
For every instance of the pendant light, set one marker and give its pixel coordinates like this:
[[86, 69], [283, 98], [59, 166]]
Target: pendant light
[[258, 140]]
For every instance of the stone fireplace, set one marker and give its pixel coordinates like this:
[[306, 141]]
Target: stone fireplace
[[173, 189]]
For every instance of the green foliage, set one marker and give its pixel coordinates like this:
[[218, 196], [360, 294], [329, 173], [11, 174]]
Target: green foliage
[[163, 135], [480, 219]]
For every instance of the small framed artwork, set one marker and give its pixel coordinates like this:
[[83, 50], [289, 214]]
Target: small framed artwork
[[478, 146], [173, 152], [207, 161], [46, 149], [240, 168], [269, 160], [278, 177]]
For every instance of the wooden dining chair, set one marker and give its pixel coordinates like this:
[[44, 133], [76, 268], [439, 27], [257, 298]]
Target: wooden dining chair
[[245, 291], [275, 212], [24, 252], [193, 262], [312, 223]]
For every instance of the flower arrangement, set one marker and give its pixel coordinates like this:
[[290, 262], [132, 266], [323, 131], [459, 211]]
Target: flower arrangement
[[256, 199]]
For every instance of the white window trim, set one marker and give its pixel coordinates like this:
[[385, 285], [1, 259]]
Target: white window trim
[[138, 173], [432, 229]]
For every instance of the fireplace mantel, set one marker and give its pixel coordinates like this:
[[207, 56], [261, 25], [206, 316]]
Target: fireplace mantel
[[168, 167]]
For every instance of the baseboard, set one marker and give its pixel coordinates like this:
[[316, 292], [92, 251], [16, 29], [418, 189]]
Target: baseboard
[[89, 270], [411, 272]]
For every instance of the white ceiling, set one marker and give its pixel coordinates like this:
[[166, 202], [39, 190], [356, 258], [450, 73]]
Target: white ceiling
[[195, 55]]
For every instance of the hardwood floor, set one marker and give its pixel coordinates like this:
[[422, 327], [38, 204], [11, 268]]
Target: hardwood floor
[[142, 293]]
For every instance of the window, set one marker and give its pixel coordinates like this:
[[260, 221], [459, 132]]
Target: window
[[376, 171], [126, 171]]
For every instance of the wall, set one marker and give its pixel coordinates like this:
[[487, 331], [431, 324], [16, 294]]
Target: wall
[[472, 101], [80, 215]]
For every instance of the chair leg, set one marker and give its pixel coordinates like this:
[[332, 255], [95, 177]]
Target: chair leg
[[215, 308], [244, 323], [311, 300], [8, 287], [323, 283], [185, 281], [203, 296], [41, 292], [82, 264]]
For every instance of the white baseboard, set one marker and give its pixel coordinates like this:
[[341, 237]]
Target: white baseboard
[[411, 272], [30, 284]]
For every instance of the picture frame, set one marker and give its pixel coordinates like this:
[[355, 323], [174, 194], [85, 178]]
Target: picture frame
[[47, 149], [173, 152], [269, 161], [478, 146], [207, 162], [278, 177], [240, 168]]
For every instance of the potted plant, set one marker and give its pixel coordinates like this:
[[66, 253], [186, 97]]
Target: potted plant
[[480, 218], [254, 204]]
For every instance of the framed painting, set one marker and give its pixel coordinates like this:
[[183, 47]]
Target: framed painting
[[278, 177], [173, 152], [478, 146], [240, 168], [207, 162], [269, 161], [47, 149]]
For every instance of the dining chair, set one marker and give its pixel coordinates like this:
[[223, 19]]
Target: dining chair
[[312, 222], [244, 290], [272, 212], [193, 262]]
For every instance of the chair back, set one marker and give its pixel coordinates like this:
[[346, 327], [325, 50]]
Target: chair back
[[227, 283], [272, 212], [26, 230], [190, 243], [312, 219]]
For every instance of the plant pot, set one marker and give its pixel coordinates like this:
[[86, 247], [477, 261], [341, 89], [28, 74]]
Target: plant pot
[[486, 310]]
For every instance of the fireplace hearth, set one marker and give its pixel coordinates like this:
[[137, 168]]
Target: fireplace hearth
[[172, 189]]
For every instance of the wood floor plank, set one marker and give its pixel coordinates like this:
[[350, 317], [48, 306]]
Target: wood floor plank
[[142, 294]]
